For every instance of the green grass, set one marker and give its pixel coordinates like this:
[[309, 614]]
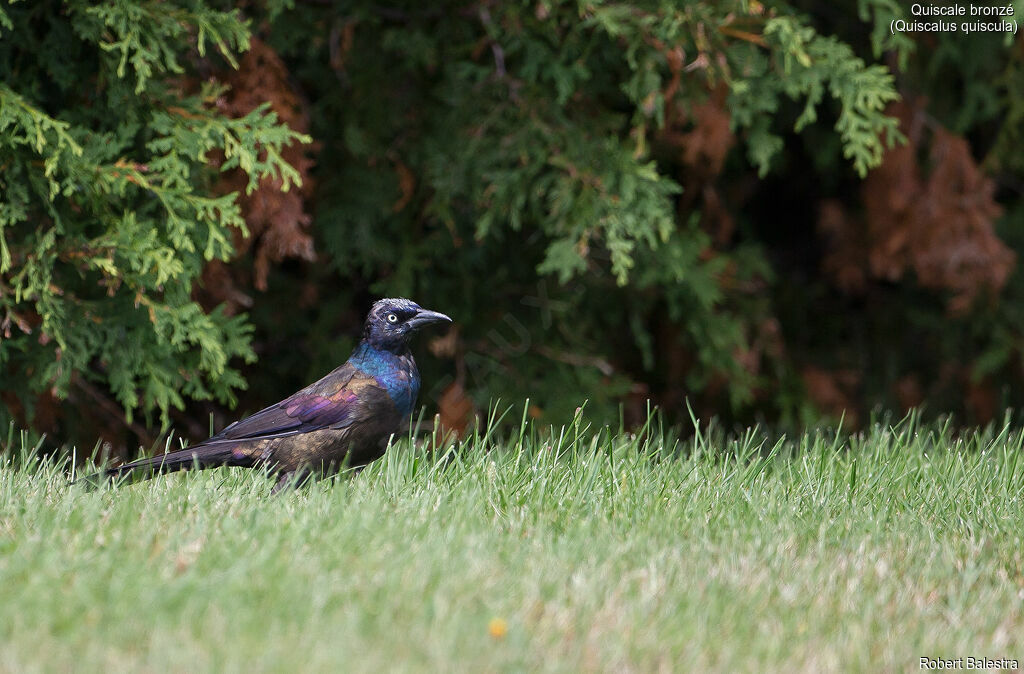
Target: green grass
[[595, 551]]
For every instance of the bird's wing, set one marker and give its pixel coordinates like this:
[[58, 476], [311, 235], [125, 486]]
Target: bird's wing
[[343, 397]]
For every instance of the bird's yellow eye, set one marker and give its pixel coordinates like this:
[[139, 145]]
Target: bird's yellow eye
[[392, 318]]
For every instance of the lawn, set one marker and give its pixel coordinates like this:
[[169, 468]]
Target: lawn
[[533, 549]]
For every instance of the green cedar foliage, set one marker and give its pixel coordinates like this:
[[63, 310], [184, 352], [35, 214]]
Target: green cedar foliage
[[108, 211], [517, 165], [504, 162]]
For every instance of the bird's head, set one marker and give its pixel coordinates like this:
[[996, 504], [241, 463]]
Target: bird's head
[[391, 322]]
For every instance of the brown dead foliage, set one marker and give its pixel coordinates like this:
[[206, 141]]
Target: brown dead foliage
[[765, 342], [981, 399], [980, 396], [278, 221], [836, 392], [699, 138], [456, 411], [908, 392], [929, 209], [702, 138]]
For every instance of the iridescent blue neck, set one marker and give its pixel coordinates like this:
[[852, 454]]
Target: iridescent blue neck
[[375, 361], [396, 372]]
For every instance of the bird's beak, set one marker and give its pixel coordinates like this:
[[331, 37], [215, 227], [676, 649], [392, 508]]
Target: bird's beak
[[424, 316]]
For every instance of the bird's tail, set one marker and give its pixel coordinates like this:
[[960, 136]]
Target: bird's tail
[[198, 456]]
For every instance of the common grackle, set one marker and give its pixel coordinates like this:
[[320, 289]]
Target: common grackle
[[346, 418]]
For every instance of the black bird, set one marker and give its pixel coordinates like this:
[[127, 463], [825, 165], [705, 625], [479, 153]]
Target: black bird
[[346, 418]]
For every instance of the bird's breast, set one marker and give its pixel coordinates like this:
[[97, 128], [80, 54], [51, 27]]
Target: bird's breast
[[402, 385], [396, 373]]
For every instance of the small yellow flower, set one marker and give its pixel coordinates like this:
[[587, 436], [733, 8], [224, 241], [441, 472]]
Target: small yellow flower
[[497, 628]]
